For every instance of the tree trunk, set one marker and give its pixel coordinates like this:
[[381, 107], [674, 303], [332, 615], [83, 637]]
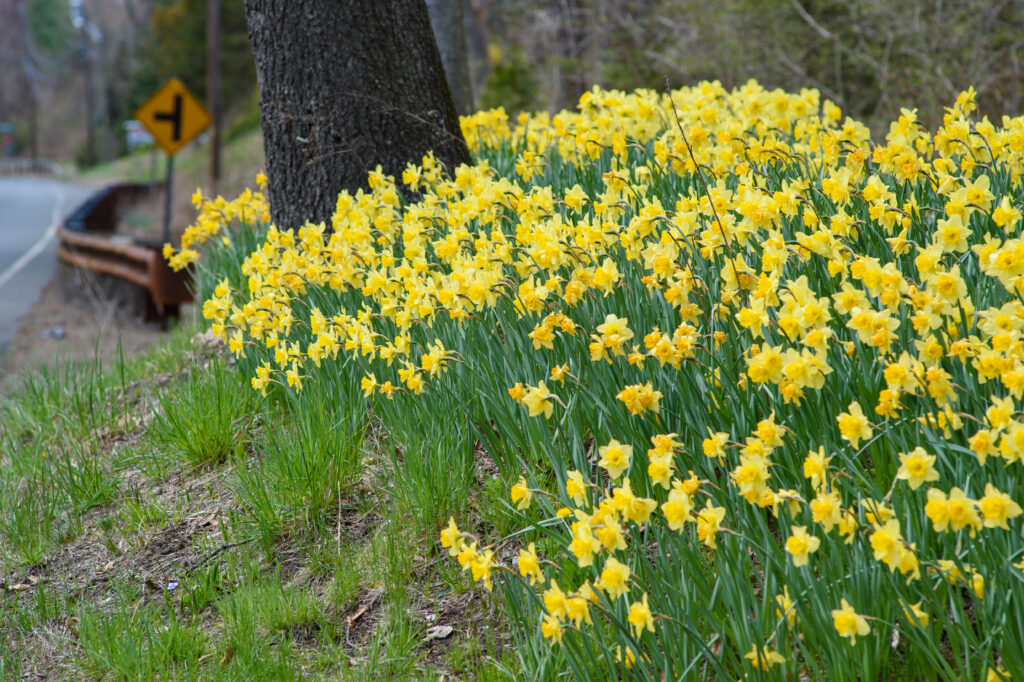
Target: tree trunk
[[345, 86], [447, 17]]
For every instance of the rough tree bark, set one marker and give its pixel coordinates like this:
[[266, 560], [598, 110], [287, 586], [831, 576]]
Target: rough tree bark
[[345, 86]]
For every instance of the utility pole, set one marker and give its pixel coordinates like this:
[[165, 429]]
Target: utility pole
[[213, 89], [79, 21]]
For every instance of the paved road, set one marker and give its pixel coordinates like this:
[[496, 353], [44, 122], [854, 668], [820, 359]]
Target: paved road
[[30, 210]]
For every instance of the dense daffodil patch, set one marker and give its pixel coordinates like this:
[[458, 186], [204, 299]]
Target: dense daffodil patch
[[753, 378]]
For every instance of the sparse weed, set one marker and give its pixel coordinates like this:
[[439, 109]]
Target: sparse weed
[[67, 396], [392, 560], [202, 589], [393, 653], [267, 614], [10, 665], [139, 514]]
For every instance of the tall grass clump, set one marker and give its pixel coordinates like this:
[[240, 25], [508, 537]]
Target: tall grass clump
[[201, 420], [306, 459], [431, 450]]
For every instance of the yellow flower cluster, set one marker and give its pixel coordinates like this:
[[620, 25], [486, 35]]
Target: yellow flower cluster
[[247, 207], [833, 323]]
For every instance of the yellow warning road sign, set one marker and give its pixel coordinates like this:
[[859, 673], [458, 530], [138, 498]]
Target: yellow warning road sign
[[174, 116]]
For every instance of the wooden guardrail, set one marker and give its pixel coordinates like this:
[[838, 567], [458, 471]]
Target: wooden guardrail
[[86, 240]]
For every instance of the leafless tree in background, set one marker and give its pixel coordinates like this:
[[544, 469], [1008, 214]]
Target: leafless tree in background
[[870, 57], [448, 20]]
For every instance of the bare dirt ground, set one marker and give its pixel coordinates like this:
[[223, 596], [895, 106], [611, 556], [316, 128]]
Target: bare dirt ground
[[94, 317]]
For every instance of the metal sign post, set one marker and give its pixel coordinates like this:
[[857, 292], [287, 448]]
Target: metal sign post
[[168, 192], [174, 117]]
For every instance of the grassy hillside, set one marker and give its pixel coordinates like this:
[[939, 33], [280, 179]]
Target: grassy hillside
[[156, 520]]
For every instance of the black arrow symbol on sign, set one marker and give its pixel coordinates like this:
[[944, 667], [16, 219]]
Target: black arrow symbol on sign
[[174, 117]]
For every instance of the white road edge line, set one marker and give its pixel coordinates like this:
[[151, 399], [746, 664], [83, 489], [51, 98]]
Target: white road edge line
[[37, 248]]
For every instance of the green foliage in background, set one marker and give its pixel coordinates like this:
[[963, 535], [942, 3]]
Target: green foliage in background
[[49, 26], [179, 48], [510, 85], [174, 45]]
